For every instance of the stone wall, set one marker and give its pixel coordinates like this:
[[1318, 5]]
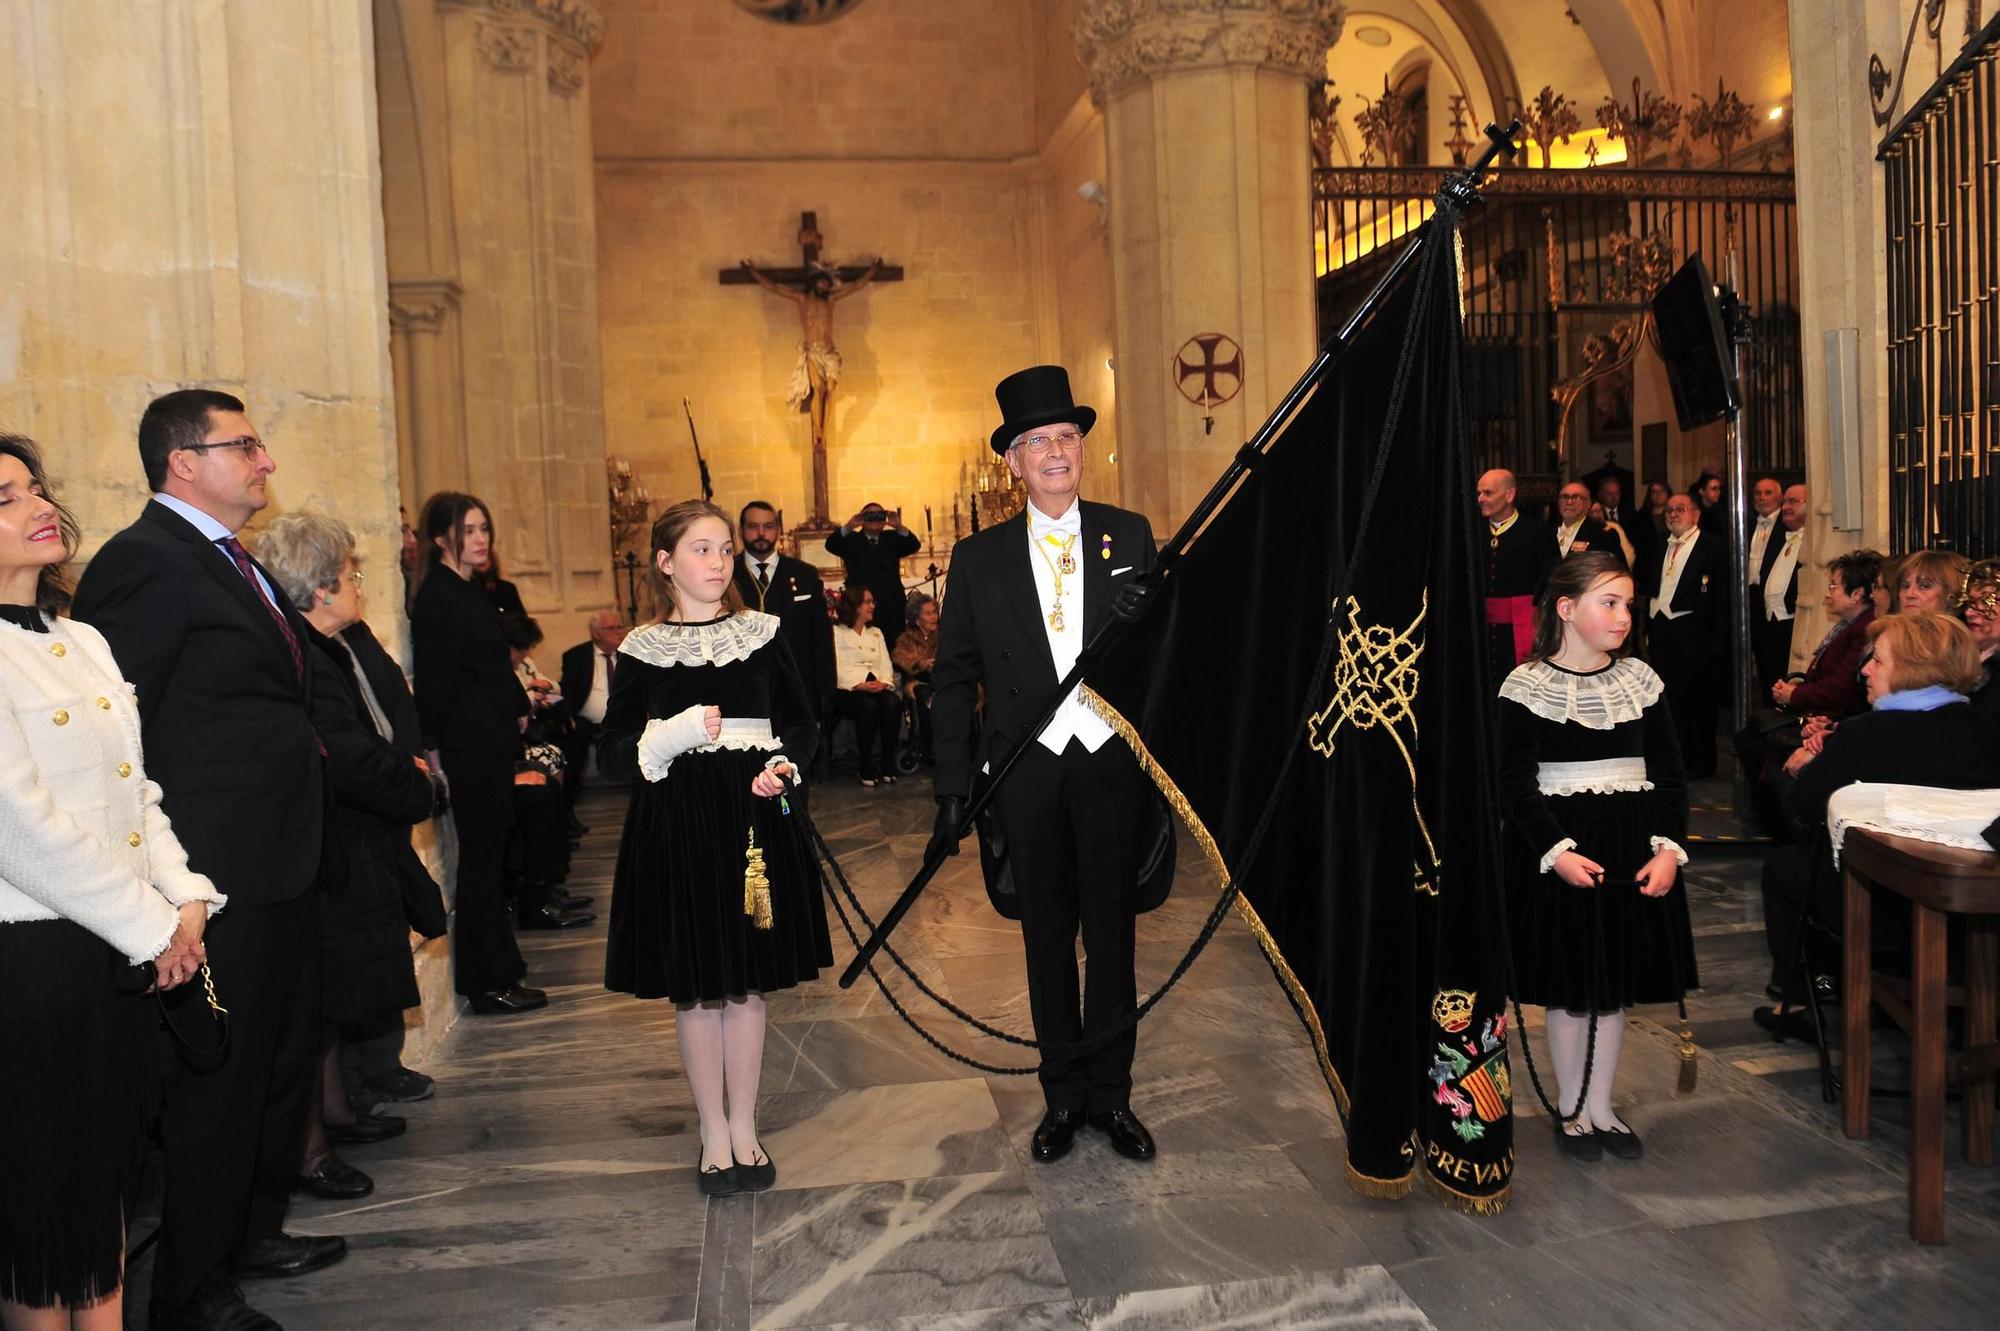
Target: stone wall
[[951, 145], [194, 199]]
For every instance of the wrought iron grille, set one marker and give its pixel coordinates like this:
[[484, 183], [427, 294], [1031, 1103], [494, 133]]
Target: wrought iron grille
[[1941, 190], [1556, 257]]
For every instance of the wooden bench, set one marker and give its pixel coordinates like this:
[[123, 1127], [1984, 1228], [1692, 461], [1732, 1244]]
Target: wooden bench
[[1938, 881]]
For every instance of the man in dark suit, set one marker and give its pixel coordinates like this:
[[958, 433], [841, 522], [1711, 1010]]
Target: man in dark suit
[[1025, 596], [1574, 530], [1630, 518], [790, 589], [1687, 632], [1774, 586], [873, 549], [215, 652], [585, 685]]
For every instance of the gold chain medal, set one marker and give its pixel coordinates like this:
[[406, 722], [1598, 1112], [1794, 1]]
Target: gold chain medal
[[1059, 567]]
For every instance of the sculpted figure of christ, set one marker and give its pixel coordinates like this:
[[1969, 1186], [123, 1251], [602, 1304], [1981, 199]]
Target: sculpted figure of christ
[[819, 360]]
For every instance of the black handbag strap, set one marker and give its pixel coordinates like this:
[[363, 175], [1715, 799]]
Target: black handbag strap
[[220, 1012]]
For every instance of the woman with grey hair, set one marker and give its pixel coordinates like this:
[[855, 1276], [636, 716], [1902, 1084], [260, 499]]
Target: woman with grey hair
[[379, 793]]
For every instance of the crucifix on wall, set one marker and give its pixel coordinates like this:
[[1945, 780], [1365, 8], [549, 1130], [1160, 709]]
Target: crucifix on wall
[[814, 287]]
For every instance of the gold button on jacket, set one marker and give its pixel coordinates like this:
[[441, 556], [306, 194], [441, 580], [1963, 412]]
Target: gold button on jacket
[[134, 839], [124, 769], [61, 717]]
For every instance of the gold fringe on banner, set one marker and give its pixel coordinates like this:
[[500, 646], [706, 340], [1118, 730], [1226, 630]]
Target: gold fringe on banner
[[1301, 1002], [1381, 1189], [1485, 1204]]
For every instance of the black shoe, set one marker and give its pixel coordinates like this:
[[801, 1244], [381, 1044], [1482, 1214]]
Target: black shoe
[[1052, 1138], [514, 998], [1128, 1135], [284, 1256], [366, 1130], [548, 917], [1827, 990], [1793, 1025], [563, 899], [756, 1177], [335, 1180], [403, 1084], [219, 1307], [1620, 1143], [1579, 1145], [716, 1181]]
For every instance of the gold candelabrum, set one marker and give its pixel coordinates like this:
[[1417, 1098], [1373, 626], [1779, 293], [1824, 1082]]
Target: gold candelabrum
[[991, 490]]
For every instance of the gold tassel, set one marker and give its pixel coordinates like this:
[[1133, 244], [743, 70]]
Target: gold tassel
[[756, 887], [1690, 1066]]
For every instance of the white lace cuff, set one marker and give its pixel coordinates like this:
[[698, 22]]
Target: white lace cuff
[[1549, 860], [1661, 843], [777, 760], [667, 738]]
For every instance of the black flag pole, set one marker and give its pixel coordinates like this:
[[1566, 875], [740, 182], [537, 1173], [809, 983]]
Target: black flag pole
[[707, 486], [1459, 192]]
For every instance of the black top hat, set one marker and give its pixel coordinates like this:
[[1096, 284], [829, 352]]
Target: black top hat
[[1038, 395]]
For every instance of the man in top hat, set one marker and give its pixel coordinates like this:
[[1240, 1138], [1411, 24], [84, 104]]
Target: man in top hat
[[872, 548], [1024, 598]]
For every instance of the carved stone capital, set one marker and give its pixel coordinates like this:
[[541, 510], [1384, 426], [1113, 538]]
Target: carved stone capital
[[421, 304], [567, 71], [1124, 42], [575, 20], [511, 49]]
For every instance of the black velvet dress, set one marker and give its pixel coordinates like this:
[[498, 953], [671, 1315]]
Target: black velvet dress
[[1592, 758], [679, 929]]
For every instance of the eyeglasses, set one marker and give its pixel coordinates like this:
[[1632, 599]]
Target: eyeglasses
[[249, 446], [1038, 444]]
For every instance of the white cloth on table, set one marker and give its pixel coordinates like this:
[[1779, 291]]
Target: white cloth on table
[[1924, 813]]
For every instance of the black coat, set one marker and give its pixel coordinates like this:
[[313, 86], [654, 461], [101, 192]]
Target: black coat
[[392, 691], [378, 795], [224, 711], [878, 566], [798, 598], [1591, 535], [468, 697], [579, 669], [991, 633], [1942, 747]]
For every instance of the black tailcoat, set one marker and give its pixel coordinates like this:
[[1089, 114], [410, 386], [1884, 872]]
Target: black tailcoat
[[1075, 824]]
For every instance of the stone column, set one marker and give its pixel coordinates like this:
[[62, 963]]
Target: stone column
[[1210, 188], [194, 200], [424, 349], [518, 98]]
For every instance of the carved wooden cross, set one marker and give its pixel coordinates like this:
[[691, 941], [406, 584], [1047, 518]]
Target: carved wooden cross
[[814, 286]]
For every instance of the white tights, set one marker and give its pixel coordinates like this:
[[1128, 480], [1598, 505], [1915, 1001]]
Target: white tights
[[722, 1047], [1569, 1043]]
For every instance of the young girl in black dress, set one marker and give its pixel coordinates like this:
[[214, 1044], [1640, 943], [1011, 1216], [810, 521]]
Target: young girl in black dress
[[1596, 805], [716, 898]]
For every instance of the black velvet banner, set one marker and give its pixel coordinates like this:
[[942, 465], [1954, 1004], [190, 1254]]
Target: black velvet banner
[[1354, 718]]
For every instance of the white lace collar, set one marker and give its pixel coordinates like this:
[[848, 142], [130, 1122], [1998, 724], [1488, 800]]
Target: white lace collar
[[1619, 693], [718, 642]]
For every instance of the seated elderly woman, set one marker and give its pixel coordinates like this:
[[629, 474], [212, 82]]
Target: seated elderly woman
[[380, 792], [1923, 668]]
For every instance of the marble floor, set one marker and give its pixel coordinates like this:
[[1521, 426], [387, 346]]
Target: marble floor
[[550, 1184]]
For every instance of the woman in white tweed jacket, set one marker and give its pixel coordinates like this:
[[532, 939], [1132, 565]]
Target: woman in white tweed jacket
[[92, 883]]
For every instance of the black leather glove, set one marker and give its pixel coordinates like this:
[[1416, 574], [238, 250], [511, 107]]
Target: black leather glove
[[1131, 600], [944, 833]]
